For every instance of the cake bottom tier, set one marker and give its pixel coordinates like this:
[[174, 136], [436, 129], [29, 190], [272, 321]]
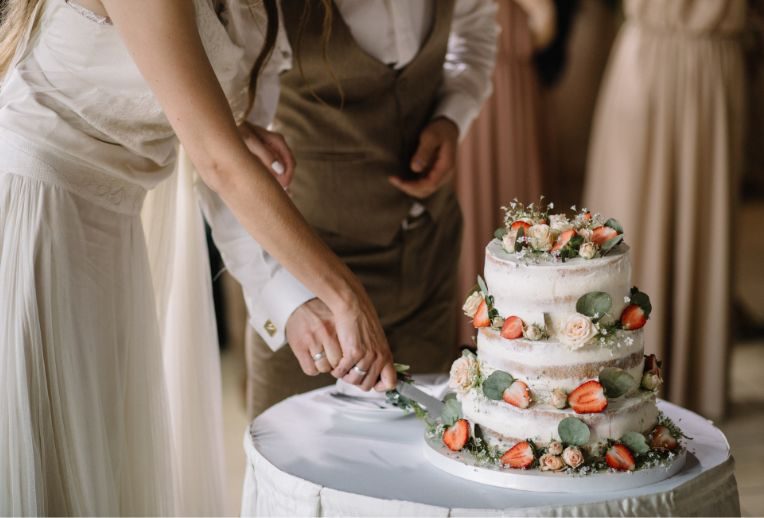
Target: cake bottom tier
[[503, 425]]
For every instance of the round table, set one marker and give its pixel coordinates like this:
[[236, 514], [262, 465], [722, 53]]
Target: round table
[[306, 459]]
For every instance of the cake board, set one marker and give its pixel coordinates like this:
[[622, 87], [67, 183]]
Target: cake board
[[463, 464]]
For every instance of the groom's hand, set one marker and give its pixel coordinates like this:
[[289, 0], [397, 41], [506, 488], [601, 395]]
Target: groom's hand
[[272, 150], [434, 159], [310, 330]]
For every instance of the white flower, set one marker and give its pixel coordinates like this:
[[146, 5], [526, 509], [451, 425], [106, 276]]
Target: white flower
[[577, 330], [533, 332], [573, 456], [549, 462], [554, 448], [464, 374], [472, 303], [508, 241], [588, 250], [540, 237], [559, 398], [559, 223], [585, 233], [651, 381]]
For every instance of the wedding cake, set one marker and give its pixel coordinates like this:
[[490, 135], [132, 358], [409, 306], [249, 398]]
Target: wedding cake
[[559, 381]]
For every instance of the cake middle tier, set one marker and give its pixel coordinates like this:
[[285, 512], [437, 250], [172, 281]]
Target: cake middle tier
[[547, 365]]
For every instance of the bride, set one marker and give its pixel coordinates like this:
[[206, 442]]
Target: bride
[[92, 96]]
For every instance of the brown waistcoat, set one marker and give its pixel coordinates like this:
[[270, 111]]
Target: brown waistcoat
[[346, 148]]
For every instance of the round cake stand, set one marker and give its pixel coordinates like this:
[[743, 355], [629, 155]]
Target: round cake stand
[[463, 464]]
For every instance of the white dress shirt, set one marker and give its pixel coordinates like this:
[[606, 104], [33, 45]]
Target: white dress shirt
[[392, 31]]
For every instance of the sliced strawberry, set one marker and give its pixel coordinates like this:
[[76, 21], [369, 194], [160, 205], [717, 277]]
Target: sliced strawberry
[[518, 394], [519, 456], [619, 457], [520, 223], [512, 328], [661, 438], [481, 316], [633, 317], [602, 234], [457, 435], [563, 239], [588, 398]]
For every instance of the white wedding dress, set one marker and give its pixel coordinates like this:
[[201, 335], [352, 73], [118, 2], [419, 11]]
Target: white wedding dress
[[109, 374]]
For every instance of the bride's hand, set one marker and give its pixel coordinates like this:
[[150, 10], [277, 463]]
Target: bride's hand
[[366, 357], [272, 150]]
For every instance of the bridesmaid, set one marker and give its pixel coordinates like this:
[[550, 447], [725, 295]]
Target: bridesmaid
[[665, 160]]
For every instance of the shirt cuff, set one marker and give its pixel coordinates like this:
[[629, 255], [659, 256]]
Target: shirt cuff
[[459, 108], [280, 297]]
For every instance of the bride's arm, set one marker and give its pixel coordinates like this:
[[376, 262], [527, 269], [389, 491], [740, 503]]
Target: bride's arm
[[163, 39]]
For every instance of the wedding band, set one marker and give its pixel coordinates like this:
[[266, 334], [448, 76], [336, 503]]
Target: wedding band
[[318, 356], [359, 370]]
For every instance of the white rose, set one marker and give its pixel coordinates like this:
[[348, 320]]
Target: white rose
[[587, 250], [576, 331], [540, 237], [559, 398], [573, 456], [508, 241], [554, 448], [464, 373], [472, 303], [559, 223], [549, 462], [533, 332]]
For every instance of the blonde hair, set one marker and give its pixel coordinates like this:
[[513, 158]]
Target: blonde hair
[[17, 19]]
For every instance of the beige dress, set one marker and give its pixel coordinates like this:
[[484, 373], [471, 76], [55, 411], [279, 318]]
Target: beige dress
[[664, 159], [500, 158]]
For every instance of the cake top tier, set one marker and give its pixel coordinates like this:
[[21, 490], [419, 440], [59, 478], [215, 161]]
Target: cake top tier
[[533, 234]]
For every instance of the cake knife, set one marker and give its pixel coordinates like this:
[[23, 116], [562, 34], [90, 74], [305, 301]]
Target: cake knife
[[434, 406]]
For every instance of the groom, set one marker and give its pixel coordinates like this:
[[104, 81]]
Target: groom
[[373, 113]]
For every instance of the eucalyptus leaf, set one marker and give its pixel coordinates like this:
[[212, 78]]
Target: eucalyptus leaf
[[450, 395], [594, 304], [613, 223], [573, 431], [452, 411], [500, 232], [483, 287], [616, 382], [611, 243], [495, 384], [636, 442]]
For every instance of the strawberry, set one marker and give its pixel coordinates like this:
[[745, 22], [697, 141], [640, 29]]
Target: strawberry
[[633, 317], [520, 223], [563, 239], [457, 435], [588, 398], [661, 438], [518, 394], [619, 457], [519, 456], [602, 234], [481, 318], [512, 328]]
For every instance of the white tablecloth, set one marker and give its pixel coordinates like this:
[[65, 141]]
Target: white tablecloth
[[306, 459]]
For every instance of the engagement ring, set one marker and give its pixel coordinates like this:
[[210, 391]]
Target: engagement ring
[[359, 370], [318, 356]]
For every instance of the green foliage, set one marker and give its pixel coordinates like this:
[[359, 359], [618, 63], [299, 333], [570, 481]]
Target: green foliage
[[573, 431], [495, 385], [613, 223], [608, 245], [519, 240], [636, 442], [500, 232], [570, 250], [616, 382], [451, 412], [642, 300], [594, 304]]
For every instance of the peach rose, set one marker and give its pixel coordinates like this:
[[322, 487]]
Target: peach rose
[[472, 303], [573, 456], [540, 237], [577, 330], [464, 373], [554, 448], [549, 462]]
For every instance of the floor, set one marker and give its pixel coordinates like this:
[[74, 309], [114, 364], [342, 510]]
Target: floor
[[744, 427]]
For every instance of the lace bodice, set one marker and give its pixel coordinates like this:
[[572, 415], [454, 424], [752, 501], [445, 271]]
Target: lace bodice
[[76, 89]]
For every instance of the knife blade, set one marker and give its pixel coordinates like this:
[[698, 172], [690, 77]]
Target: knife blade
[[434, 406]]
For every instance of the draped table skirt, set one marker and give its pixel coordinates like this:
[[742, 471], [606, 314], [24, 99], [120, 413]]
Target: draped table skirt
[[306, 459]]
